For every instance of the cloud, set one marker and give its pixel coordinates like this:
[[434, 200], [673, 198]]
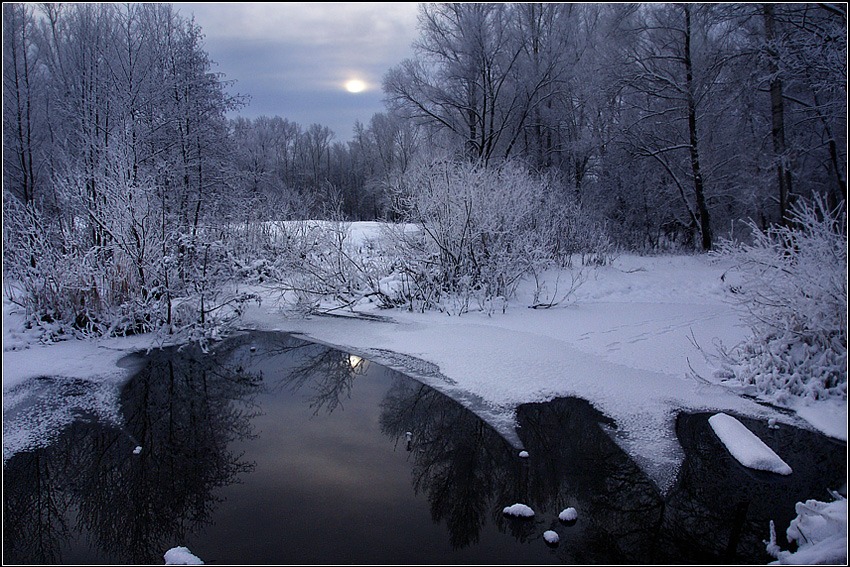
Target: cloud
[[369, 25], [294, 57]]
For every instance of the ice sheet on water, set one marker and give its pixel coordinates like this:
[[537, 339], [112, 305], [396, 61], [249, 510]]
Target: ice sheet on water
[[37, 410]]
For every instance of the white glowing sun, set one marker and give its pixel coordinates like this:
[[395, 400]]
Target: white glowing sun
[[355, 86]]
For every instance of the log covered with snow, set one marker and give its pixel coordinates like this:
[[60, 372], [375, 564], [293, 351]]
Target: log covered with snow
[[743, 444]]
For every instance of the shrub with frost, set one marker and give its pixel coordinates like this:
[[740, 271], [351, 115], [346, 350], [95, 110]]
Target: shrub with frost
[[790, 286], [482, 229]]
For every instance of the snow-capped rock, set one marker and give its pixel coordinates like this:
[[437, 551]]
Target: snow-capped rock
[[568, 515], [181, 556], [519, 510]]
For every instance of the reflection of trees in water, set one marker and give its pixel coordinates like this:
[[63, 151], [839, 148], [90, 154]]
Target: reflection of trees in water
[[575, 463], [34, 509], [458, 460], [719, 510], [327, 373], [183, 412], [470, 473]]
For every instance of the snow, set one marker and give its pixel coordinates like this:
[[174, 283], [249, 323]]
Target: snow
[[820, 532], [551, 537], [747, 449], [633, 341], [523, 454], [34, 376], [518, 510], [628, 343], [181, 556], [568, 515]]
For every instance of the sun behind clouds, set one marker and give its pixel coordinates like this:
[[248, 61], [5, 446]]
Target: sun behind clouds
[[355, 86]]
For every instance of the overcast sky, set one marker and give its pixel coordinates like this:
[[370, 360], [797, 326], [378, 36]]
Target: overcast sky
[[295, 58]]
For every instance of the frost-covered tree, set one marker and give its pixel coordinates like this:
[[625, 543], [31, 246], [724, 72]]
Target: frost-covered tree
[[128, 134], [23, 106], [463, 78]]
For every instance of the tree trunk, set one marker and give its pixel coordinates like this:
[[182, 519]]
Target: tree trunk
[[777, 113], [699, 188]]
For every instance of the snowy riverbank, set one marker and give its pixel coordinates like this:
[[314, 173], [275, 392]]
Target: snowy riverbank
[[626, 342]]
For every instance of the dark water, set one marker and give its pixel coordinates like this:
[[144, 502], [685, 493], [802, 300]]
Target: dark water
[[278, 451]]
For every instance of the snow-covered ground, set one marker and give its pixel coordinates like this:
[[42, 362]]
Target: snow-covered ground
[[627, 343]]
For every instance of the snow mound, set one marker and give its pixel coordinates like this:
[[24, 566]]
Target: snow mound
[[181, 556], [568, 515], [519, 510], [747, 449], [523, 454], [551, 537], [820, 531]]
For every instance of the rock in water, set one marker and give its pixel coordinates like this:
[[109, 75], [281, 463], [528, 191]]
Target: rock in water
[[519, 510], [568, 515]]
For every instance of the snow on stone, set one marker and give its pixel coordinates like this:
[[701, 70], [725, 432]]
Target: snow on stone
[[551, 537], [137, 450], [519, 510], [743, 444], [523, 454], [568, 515], [181, 556]]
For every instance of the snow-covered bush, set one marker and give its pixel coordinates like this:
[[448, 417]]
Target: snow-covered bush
[[67, 289], [204, 301], [790, 285], [820, 532], [322, 262], [131, 277], [483, 229]]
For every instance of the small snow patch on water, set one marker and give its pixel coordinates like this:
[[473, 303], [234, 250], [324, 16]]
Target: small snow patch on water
[[181, 556], [551, 537], [519, 510], [523, 454]]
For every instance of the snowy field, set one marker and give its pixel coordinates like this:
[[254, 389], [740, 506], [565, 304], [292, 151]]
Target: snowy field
[[627, 342]]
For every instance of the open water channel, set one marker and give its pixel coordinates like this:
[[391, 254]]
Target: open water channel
[[273, 450]]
